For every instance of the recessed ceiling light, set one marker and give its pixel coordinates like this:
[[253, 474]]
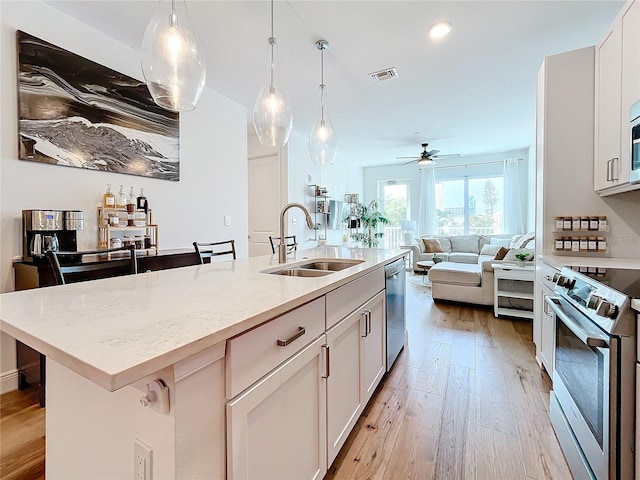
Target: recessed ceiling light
[[440, 29]]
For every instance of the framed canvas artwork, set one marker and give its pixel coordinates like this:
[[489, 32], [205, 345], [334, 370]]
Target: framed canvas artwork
[[77, 113]]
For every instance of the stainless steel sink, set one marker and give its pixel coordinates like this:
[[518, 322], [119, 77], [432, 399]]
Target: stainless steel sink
[[317, 268], [299, 272], [331, 265]]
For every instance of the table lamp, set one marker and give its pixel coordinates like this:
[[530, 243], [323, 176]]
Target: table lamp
[[409, 226]]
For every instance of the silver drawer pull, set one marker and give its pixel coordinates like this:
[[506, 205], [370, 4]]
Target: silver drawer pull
[[288, 341]]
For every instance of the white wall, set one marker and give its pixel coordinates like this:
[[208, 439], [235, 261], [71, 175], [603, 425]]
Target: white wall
[[411, 172], [213, 150]]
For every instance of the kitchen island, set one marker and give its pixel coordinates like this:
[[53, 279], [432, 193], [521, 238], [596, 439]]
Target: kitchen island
[[107, 340]]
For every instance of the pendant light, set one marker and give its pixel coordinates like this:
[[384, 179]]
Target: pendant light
[[173, 63], [272, 117], [322, 141]]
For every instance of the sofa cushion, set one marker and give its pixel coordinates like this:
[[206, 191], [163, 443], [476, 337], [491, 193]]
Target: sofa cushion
[[463, 257], [500, 254], [502, 242], [456, 274], [432, 245], [465, 243], [482, 241]]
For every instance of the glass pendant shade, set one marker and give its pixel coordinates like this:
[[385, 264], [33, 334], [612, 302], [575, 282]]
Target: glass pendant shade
[[272, 116], [173, 62], [323, 142]]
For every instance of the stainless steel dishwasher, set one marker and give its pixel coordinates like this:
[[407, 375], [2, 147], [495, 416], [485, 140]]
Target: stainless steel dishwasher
[[395, 300]]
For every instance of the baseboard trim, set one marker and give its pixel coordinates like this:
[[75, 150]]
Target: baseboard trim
[[9, 381]]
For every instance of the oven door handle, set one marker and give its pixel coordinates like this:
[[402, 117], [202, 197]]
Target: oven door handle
[[590, 339]]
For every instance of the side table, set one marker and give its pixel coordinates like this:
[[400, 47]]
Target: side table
[[424, 265], [513, 290]]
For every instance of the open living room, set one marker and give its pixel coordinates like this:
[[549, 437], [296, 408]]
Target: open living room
[[300, 239]]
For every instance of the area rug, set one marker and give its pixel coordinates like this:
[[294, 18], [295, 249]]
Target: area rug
[[417, 279]]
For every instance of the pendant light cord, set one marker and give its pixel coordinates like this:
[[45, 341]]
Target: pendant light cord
[[272, 42], [322, 85]]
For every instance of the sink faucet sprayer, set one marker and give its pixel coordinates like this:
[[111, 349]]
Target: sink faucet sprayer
[[282, 248]]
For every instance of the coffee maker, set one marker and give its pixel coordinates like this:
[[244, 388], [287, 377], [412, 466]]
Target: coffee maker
[[54, 230]]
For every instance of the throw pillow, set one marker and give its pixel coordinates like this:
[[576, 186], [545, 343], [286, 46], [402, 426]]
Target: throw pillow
[[524, 239], [501, 253], [511, 256], [490, 249], [432, 245], [515, 241]]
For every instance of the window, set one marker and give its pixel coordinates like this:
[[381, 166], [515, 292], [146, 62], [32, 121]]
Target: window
[[469, 205], [394, 196]]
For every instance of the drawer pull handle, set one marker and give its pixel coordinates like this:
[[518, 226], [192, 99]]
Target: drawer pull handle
[[288, 341]]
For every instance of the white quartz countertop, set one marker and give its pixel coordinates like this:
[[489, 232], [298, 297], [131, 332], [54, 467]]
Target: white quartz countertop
[[601, 262], [115, 331]]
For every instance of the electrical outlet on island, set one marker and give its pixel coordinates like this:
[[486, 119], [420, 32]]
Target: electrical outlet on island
[[142, 461]]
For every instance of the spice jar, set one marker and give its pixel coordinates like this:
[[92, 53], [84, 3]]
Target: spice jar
[[566, 223], [592, 244], [559, 224], [593, 222], [603, 225], [575, 224], [602, 244], [559, 243], [584, 223], [127, 241], [138, 240]]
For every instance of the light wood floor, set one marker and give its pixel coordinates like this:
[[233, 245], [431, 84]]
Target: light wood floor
[[465, 400]]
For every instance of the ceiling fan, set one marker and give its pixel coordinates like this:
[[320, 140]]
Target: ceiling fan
[[427, 157]]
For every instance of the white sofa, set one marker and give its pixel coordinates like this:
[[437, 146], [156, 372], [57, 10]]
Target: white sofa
[[458, 249], [473, 282]]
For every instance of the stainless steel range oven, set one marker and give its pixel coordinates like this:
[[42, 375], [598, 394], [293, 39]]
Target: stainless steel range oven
[[593, 397]]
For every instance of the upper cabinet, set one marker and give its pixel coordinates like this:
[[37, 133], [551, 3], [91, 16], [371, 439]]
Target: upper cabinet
[[617, 86]]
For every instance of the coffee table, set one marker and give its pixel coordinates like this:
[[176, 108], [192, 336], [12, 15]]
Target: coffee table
[[424, 265]]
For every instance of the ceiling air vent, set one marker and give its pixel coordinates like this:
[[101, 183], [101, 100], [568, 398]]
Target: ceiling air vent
[[383, 75]]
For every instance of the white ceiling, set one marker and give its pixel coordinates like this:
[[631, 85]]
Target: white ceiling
[[471, 93]]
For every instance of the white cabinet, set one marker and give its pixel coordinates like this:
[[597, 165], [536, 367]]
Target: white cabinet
[[543, 323], [277, 428], [357, 364], [607, 111], [374, 346], [617, 86], [513, 290]]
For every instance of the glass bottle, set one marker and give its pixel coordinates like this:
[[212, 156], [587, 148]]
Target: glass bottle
[[121, 199], [131, 202], [108, 199], [142, 203]]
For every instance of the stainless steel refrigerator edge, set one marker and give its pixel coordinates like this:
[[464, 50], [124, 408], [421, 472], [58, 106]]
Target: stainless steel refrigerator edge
[[395, 308]]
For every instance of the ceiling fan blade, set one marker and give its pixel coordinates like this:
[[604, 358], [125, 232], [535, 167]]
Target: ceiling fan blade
[[410, 161], [432, 153], [415, 158], [447, 155]]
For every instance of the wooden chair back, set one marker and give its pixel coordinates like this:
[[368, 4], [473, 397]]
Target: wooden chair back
[[206, 251], [290, 242]]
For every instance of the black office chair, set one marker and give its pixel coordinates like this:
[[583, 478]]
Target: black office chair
[[71, 267], [289, 241], [206, 251]]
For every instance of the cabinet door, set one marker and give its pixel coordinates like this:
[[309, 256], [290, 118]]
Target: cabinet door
[[277, 428], [374, 347], [630, 81], [344, 391], [607, 111], [548, 334]]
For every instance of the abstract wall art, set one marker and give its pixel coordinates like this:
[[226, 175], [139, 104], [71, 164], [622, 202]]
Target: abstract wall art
[[77, 113]]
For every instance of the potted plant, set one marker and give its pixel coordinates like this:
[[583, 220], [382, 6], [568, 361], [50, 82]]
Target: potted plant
[[522, 257], [370, 217]]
